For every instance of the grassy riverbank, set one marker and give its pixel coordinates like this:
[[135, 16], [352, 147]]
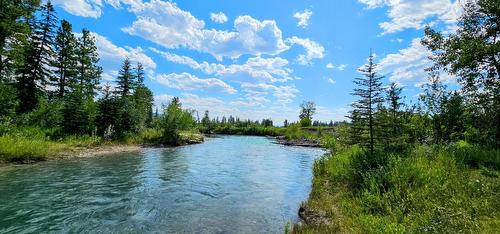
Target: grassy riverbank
[[36, 144], [435, 189]]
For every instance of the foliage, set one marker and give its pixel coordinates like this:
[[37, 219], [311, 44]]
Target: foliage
[[427, 190], [307, 110], [174, 121], [471, 54], [369, 91]]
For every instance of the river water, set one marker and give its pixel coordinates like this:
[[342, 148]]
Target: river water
[[232, 184]]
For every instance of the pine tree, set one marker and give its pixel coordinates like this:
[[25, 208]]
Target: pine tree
[[369, 91], [88, 71], [126, 79], [35, 72], [66, 59]]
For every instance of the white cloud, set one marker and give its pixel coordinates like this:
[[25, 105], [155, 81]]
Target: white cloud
[[264, 69], [409, 64], [406, 14], [303, 17], [283, 94], [331, 81], [219, 17], [186, 81], [84, 8], [167, 25], [313, 49], [339, 67], [108, 50]]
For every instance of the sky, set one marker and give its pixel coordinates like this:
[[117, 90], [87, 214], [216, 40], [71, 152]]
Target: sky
[[262, 58]]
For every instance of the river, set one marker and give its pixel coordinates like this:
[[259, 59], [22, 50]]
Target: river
[[231, 184]]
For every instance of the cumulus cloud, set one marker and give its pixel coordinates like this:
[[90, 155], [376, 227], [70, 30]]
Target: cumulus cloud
[[408, 65], [219, 17], [405, 14], [283, 94], [84, 8], [109, 51], [313, 49], [166, 24], [303, 18], [264, 69], [186, 81]]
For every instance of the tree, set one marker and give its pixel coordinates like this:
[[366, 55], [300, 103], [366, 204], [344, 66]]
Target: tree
[[8, 102], [473, 55], [307, 110], [139, 74], [394, 99], [65, 62], [285, 123], [126, 79], [35, 71], [14, 16], [88, 70], [75, 118], [205, 122], [433, 98], [369, 91], [143, 98], [175, 120]]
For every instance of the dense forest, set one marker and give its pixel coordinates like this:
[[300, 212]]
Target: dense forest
[[394, 167]]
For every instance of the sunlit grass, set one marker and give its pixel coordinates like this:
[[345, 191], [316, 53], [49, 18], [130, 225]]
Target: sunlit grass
[[431, 189]]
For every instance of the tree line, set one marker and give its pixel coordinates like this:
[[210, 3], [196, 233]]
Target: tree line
[[51, 78], [381, 119]]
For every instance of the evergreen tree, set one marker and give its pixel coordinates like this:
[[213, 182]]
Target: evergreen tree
[[126, 79], [35, 72], [139, 74], [75, 118], [394, 99], [88, 71], [369, 91], [65, 62], [14, 16]]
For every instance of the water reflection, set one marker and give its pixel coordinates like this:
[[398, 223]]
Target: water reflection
[[231, 184]]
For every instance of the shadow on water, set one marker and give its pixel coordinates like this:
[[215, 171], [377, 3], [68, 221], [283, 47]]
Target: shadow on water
[[236, 184]]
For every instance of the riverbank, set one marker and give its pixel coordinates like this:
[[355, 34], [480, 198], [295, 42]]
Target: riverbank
[[433, 189], [34, 145]]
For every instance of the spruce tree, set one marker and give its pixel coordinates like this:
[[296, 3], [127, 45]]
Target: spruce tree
[[370, 93], [36, 69], [66, 60], [395, 104], [88, 70], [14, 17], [126, 79]]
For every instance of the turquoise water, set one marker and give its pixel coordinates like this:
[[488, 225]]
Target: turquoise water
[[232, 184]]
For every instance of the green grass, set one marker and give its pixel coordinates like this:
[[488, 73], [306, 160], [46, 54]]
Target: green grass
[[431, 189], [31, 144]]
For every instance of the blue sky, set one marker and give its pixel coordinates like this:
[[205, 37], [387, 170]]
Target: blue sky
[[262, 58]]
